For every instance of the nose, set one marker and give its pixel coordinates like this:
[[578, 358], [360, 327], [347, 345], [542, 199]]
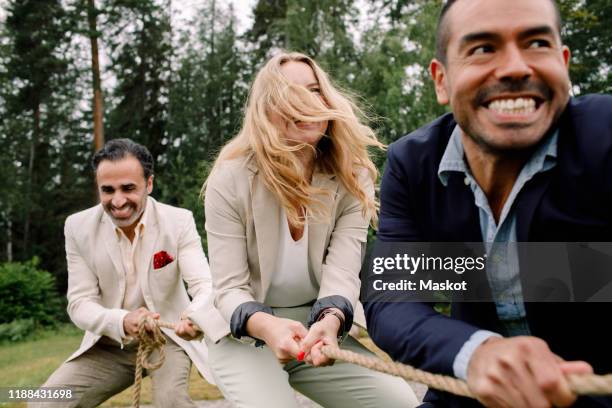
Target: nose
[[118, 200], [512, 64]]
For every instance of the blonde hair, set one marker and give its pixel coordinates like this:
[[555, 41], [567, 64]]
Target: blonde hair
[[342, 151]]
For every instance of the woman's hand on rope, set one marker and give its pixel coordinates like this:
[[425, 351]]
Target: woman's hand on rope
[[185, 330], [132, 319], [282, 336], [521, 371], [321, 333]]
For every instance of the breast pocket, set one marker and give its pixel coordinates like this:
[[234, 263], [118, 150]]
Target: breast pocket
[[166, 276]]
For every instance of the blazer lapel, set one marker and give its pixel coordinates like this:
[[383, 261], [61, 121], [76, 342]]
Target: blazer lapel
[[318, 230], [149, 240], [112, 246], [266, 217]]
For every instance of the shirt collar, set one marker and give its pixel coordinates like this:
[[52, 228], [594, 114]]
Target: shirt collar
[[453, 157]]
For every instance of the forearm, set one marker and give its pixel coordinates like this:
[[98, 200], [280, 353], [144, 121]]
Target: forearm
[[241, 324], [416, 334], [93, 317]]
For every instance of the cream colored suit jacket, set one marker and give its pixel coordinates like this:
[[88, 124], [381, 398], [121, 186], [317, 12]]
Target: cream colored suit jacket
[[242, 224], [97, 280]]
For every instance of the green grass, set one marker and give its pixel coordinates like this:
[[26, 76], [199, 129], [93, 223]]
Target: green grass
[[30, 363]]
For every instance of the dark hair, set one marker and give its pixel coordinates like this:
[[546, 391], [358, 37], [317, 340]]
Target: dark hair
[[443, 31], [118, 149]]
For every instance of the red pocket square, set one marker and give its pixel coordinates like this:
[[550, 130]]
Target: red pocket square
[[161, 259]]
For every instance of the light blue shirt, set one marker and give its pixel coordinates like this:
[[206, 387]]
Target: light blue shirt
[[502, 260]]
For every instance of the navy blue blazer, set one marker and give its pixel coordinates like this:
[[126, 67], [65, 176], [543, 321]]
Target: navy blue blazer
[[571, 202]]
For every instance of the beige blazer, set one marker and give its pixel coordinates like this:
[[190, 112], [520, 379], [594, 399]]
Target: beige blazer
[[242, 224], [96, 277]]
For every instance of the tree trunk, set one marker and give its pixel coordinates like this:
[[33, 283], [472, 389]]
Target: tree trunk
[[98, 103], [28, 204], [9, 238]]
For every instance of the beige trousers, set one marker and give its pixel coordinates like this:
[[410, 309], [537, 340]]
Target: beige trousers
[[106, 369], [252, 377]]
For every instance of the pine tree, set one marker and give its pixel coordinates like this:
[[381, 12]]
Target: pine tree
[[36, 68], [140, 44], [207, 94]]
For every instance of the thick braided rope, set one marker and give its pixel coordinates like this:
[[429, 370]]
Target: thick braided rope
[[439, 382], [148, 342], [590, 384]]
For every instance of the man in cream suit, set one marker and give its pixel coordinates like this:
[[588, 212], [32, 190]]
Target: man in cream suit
[[128, 257]]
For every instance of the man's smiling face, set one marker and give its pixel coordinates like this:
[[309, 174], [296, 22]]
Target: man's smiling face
[[123, 190], [506, 73]]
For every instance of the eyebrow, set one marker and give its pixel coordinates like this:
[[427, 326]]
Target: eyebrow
[[540, 30], [312, 84], [107, 187], [491, 36]]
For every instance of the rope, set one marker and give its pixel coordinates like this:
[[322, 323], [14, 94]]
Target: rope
[[588, 384], [148, 342]]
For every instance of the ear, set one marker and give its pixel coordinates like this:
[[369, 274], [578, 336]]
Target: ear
[[566, 53], [438, 75], [150, 184]]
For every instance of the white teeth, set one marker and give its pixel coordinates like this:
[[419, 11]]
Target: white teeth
[[513, 106]]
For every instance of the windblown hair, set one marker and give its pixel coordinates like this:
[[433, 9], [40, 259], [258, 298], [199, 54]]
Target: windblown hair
[[343, 150]]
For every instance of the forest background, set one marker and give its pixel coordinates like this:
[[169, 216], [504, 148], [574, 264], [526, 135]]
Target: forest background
[[76, 73]]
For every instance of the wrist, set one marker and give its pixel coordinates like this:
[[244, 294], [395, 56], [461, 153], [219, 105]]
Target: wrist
[[259, 324], [333, 318]]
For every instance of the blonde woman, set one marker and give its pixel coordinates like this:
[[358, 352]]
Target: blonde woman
[[287, 206]]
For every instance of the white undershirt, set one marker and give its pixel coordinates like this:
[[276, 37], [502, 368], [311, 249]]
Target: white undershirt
[[291, 283]]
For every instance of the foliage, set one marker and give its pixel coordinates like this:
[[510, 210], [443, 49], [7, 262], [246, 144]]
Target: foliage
[[17, 330], [180, 88], [141, 49], [39, 128], [28, 298], [587, 33]]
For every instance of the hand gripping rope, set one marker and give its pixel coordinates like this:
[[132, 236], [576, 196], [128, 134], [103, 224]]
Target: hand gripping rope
[[589, 384]]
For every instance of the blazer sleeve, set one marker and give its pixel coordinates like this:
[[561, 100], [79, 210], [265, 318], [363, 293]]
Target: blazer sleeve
[[410, 332], [84, 304], [340, 283], [227, 246], [193, 266]]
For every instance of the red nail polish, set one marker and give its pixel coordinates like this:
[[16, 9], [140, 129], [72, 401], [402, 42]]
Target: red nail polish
[[300, 356]]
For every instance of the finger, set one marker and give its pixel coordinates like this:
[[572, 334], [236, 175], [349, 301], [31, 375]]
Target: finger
[[179, 328], [493, 387], [523, 388], [514, 386], [575, 367], [308, 341], [190, 331], [292, 347], [299, 330], [319, 358], [494, 395], [549, 378]]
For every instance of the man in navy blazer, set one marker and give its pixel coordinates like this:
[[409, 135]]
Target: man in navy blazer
[[518, 160]]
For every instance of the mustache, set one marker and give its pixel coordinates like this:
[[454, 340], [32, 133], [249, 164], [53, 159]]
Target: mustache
[[513, 86]]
